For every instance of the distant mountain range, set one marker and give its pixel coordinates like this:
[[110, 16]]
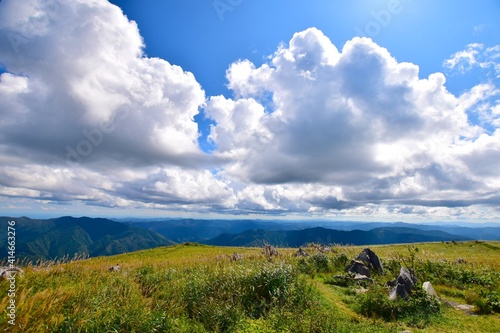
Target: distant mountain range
[[192, 230], [296, 238], [67, 236]]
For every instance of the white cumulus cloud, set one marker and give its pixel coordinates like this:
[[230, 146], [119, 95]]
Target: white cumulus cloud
[[355, 120], [81, 104], [318, 130]]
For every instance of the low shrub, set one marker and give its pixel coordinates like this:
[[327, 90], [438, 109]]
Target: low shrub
[[219, 299], [486, 302], [339, 262], [320, 262], [417, 309]]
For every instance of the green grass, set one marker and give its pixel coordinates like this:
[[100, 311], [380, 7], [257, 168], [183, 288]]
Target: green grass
[[196, 288]]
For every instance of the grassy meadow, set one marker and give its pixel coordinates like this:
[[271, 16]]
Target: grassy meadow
[[197, 288]]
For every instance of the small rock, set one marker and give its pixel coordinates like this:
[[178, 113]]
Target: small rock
[[301, 253], [325, 249], [401, 291], [115, 268], [404, 284], [270, 251], [361, 290], [8, 272], [466, 308], [236, 257], [427, 286], [391, 284], [407, 279], [363, 256], [360, 277], [393, 294], [359, 267]]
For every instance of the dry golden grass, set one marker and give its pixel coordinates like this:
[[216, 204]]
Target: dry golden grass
[[148, 294]]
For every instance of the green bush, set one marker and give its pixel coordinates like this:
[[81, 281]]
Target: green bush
[[245, 297], [392, 266], [339, 262], [458, 276], [416, 309], [219, 299], [320, 262], [272, 282], [485, 301], [304, 266]]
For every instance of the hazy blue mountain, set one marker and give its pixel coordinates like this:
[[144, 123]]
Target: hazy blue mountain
[[193, 230], [55, 238], [479, 231], [295, 238]]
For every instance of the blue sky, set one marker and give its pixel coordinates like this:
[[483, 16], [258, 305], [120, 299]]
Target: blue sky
[[239, 108], [204, 37]]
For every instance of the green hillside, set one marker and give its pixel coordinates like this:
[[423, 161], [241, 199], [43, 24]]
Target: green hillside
[[197, 288], [68, 237]]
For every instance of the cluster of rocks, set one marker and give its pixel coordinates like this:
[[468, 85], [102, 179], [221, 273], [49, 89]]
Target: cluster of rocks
[[270, 251], [324, 249], [320, 247], [366, 262], [405, 283]]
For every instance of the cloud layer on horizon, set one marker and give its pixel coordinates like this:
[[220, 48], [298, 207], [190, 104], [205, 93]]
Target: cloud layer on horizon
[[87, 118]]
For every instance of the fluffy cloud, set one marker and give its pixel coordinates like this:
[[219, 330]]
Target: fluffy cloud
[[337, 117], [85, 114], [87, 117], [475, 55], [356, 120], [83, 77]]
